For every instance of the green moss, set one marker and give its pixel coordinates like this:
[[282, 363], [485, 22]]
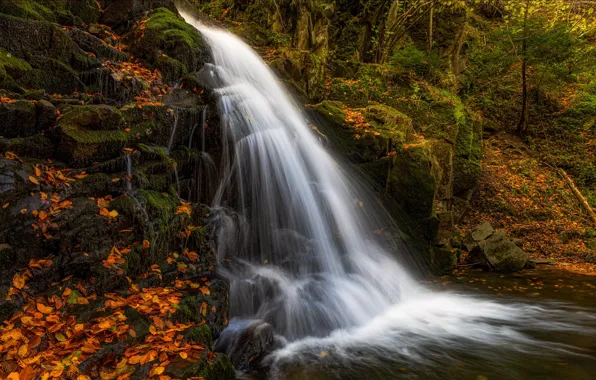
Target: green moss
[[38, 146], [411, 173], [218, 367], [14, 66], [166, 33], [27, 9], [100, 117], [170, 68], [201, 334], [189, 310]]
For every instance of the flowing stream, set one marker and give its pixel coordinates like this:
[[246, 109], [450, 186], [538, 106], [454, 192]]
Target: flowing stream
[[313, 254]]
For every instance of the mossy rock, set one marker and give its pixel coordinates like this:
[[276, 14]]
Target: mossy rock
[[306, 70], [13, 66], [61, 11], [84, 137], [27, 9], [97, 117], [38, 146], [92, 185], [18, 119], [411, 181], [52, 75], [468, 153], [218, 367], [119, 12], [92, 44], [167, 33], [200, 334], [388, 130], [26, 39], [216, 319]]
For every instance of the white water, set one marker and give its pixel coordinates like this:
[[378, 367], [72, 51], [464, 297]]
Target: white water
[[307, 259]]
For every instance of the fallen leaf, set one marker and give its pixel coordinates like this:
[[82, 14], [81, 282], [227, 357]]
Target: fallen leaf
[[44, 309], [18, 281]]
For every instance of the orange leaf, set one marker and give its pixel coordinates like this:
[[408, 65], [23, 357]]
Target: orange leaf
[[34, 180], [13, 376], [146, 244], [43, 308], [183, 355], [158, 370], [18, 281], [23, 351]]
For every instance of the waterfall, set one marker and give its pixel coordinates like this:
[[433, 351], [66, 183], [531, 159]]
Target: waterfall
[[300, 234], [128, 171]]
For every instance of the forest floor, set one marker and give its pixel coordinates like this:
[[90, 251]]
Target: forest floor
[[522, 194]]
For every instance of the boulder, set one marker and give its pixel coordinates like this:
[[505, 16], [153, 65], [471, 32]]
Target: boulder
[[18, 119], [503, 255], [495, 250], [120, 11], [482, 232], [26, 38], [247, 343], [64, 12], [88, 134], [166, 41], [379, 130]]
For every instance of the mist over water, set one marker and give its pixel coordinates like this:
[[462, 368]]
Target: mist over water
[[315, 255]]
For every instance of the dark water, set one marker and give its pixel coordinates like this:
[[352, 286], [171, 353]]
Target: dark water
[[565, 354]]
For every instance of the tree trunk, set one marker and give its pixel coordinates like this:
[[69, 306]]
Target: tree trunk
[[430, 28], [522, 127]]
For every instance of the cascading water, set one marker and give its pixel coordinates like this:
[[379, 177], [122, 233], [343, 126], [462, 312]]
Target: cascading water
[[305, 255]]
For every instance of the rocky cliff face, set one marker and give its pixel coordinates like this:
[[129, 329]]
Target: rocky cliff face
[[391, 109], [101, 117]]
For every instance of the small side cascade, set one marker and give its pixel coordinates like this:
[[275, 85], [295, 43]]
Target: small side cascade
[[177, 178], [128, 156], [203, 126], [174, 128]]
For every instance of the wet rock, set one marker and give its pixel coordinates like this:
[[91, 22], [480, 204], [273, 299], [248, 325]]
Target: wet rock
[[495, 250], [46, 115], [169, 43], [216, 307], [89, 43], [411, 173], [25, 39], [200, 334], [218, 367], [503, 255], [247, 343], [120, 11], [388, 130], [91, 133], [478, 234], [18, 119], [37, 146], [10, 183]]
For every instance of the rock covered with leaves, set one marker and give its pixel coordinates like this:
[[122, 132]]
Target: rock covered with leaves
[[106, 272]]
